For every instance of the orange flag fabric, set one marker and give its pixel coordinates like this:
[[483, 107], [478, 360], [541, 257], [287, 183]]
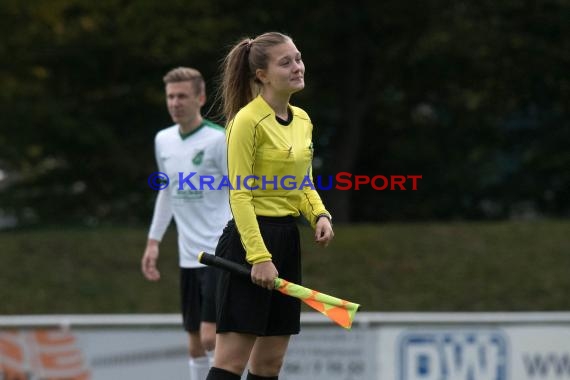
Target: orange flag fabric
[[340, 311]]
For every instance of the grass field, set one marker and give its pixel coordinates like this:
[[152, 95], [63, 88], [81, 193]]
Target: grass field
[[503, 266]]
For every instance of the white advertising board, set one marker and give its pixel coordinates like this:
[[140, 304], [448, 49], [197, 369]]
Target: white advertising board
[[475, 353], [378, 349]]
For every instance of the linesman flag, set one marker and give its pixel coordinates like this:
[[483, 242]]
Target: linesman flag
[[340, 311]]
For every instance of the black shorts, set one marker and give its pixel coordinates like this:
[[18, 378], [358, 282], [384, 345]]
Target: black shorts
[[244, 307], [197, 296]]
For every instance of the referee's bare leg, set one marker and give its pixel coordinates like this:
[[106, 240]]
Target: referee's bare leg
[[234, 350]]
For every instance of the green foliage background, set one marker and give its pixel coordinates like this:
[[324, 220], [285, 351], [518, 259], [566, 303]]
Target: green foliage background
[[471, 95]]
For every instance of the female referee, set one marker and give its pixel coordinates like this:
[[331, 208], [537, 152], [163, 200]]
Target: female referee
[[268, 139]]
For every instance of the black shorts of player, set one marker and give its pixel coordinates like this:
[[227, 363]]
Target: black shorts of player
[[198, 296], [244, 307]]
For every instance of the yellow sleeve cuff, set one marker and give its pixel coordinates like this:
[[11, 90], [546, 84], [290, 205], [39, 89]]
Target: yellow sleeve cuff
[[258, 258], [324, 215]]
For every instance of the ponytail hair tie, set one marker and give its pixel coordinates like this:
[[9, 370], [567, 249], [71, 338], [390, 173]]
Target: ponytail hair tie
[[248, 46]]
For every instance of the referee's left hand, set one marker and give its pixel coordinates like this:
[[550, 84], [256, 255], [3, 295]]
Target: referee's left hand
[[323, 232]]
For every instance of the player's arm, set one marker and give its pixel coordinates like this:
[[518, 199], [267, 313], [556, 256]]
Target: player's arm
[[161, 218], [150, 259], [160, 221]]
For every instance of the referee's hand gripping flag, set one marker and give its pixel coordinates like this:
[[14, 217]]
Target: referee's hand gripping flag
[[340, 311]]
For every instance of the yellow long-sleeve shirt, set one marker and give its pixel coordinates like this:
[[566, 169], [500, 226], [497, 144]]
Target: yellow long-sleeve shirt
[[278, 157]]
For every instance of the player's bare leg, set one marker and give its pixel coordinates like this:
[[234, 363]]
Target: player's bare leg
[[199, 363]]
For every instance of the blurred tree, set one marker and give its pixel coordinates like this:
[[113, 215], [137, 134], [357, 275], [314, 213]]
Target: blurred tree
[[432, 89], [473, 96], [85, 97]]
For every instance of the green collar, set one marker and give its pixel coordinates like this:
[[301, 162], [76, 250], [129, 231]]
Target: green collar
[[184, 136]]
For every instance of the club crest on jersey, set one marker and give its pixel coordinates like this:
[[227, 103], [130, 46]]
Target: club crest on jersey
[[198, 158]]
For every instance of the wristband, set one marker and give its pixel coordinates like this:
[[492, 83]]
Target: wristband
[[324, 216]]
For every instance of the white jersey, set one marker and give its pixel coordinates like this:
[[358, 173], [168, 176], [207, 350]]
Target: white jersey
[[200, 213]]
